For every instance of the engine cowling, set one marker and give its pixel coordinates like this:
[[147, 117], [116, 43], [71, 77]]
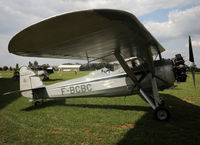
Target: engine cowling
[[179, 68]]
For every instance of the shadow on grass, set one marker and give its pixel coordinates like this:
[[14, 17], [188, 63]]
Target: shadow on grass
[[118, 107], [62, 102], [183, 127], [45, 104], [8, 85]]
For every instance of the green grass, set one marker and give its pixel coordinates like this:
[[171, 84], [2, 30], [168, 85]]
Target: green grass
[[101, 121]]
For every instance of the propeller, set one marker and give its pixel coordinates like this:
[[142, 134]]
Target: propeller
[[191, 59]]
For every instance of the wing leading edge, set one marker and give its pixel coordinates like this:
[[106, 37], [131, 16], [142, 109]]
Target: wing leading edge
[[86, 34]]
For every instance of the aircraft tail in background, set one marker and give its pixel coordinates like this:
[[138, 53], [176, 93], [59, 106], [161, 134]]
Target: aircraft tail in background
[[29, 81]]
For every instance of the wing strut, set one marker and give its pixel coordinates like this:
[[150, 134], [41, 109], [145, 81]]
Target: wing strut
[[149, 60], [133, 78], [161, 113]]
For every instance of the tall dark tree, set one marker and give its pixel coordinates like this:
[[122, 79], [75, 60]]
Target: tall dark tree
[[17, 66], [35, 63], [5, 68], [30, 64]]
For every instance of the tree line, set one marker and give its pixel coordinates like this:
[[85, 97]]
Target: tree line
[[5, 68], [84, 67], [96, 66], [30, 64]]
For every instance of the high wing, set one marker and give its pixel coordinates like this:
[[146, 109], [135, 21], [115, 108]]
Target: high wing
[[86, 34]]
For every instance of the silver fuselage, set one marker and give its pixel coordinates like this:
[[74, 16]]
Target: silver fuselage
[[117, 83]]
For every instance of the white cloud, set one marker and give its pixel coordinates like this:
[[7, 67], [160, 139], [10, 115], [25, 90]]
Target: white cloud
[[180, 24], [4, 39], [45, 8], [12, 21], [196, 43], [16, 15]]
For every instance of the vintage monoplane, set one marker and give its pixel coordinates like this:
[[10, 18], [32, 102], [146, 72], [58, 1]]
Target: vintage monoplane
[[106, 35]]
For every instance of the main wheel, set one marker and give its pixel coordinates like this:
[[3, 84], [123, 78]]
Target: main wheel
[[162, 113]]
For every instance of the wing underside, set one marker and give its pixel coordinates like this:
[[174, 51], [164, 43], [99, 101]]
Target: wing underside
[[86, 34]]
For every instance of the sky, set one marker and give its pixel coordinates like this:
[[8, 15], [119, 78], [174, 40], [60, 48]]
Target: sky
[[169, 21]]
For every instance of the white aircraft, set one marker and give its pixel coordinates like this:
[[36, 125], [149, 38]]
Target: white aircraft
[[106, 35], [45, 72]]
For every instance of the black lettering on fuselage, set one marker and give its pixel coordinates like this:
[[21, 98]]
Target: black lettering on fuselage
[[77, 89], [80, 89], [72, 90], [89, 87], [83, 89], [63, 91]]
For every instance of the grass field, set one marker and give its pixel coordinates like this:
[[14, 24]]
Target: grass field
[[98, 121]]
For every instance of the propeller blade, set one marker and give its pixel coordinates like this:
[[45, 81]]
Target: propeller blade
[[191, 57], [193, 76], [192, 64]]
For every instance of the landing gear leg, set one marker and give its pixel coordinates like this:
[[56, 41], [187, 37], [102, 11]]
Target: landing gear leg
[[161, 112]]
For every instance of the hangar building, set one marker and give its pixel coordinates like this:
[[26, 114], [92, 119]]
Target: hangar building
[[69, 67]]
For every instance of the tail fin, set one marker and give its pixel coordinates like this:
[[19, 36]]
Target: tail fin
[[28, 81]]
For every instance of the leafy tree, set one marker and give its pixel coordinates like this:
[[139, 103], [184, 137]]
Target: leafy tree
[[67, 63], [5, 68], [30, 64], [35, 63], [45, 66], [197, 69], [1, 68], [96, 66], [10, 68]]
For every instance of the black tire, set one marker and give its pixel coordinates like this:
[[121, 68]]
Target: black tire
[[37, 103], [162, 113]]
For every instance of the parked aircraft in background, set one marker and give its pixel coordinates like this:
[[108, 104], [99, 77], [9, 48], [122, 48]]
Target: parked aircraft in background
[[45, 72]]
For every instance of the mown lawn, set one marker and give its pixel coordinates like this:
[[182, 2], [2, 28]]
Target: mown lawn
[[101, 121]]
